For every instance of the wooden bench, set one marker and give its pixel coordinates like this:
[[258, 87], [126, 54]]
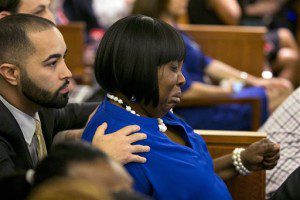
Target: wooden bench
[[73, 34], [238, 46], [220, 143], [297, 8]]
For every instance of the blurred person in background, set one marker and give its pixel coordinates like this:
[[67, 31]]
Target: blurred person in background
[[283, 127], [110, 11], [281, 49], [198, 65]]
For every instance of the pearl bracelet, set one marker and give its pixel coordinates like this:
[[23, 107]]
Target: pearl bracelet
[[237, 162]]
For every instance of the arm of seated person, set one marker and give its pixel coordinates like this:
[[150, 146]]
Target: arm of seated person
[[218, 70], [228, 11], [263, 8], [73, 116], [7, 165], [260, 155], [224, 167], [200, 91]]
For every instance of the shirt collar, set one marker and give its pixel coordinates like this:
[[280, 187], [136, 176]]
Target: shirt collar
[[26, 122]]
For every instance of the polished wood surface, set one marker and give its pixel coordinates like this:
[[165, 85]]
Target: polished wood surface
[[220, 143], [238, 46], [297, 8], [73, 34]]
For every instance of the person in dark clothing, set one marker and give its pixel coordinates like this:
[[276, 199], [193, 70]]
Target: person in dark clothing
[[290, 188], [81, 10], [281, 50]]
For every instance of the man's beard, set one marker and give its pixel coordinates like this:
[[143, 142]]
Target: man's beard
[[41, 96]]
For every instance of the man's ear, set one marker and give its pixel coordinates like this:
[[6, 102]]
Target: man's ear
[[10, 73], [4, 14]]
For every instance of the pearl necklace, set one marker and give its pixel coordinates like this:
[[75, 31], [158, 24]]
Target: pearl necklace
[[162, 127]]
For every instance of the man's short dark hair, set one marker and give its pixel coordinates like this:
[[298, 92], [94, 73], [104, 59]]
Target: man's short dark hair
[[130, 53], [15, 45], [62, 155], [11, 6]]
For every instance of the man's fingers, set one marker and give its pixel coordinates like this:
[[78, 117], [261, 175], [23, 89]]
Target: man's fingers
[[139, 149], [127, 130], [136, 137], [137, 158], [101, 129]]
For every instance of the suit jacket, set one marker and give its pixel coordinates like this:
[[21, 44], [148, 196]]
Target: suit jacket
[[14, 153], [289, 188]]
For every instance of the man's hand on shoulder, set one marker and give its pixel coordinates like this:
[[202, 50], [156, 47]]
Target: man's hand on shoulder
[[118, 145]]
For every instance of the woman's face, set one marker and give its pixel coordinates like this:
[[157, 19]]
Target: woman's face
[[170, 79], [177, 8]]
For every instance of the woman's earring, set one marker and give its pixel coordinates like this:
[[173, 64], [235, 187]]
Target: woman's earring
[[133, 99]]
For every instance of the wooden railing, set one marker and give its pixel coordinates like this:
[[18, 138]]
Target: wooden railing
[[73, 34], [238, 46], [220, 143]]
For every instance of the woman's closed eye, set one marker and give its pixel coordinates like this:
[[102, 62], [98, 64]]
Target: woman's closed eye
[[40, 10], [174, 68]]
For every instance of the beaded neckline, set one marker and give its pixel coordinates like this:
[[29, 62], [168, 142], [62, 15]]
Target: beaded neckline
[[162, 127]]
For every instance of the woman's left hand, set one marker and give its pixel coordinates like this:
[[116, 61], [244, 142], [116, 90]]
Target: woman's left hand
[[274, 83], [261, 155]]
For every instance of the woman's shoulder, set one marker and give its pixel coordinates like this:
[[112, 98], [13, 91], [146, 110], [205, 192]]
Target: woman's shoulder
[[173, 119]]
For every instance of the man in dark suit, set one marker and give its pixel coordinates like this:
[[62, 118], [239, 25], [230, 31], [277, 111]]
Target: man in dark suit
[[14, 153], [289, 188], [34, 92]]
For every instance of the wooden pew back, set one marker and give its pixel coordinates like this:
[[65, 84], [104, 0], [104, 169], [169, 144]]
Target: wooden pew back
[[220, 143], [238, 46], [73, 34], [297, 6]]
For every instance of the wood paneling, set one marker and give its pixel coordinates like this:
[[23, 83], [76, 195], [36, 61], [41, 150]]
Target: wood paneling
[[238, 46], [297, 8], [73, 34]]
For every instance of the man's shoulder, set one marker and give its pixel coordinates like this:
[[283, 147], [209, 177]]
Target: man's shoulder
[[8, 123], [4, 143], [70, 106]]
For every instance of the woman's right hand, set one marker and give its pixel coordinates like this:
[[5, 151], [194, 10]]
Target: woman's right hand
[[261, 155]]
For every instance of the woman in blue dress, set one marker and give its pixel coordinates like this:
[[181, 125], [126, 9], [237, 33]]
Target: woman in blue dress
[[198, 66], [139, 65]]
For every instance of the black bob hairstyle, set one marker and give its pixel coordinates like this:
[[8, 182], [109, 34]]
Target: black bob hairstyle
[[130, 54]]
